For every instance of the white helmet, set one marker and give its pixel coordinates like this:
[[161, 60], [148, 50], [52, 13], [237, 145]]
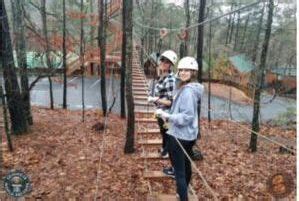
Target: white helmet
[[188, 63], [170, 55]]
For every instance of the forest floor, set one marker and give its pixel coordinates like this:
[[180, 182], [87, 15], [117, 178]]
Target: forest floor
[[66, 159]]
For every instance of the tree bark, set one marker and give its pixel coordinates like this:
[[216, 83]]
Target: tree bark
[[49, 63], [102, 46], [5, 119], [260, 79], [82, 62], [14, 100], [257, 40], [92, 28], [20, 46], [64, 104], [237, 33], [187, 10], [244, 34], [129, 146], [123, 65], [232, 29], [200, 33], [229, 24]]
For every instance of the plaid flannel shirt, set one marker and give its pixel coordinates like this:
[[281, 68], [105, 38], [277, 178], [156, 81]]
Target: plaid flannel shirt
[[164, 89]]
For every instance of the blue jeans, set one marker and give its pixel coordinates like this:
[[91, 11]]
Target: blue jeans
[[181, 164]]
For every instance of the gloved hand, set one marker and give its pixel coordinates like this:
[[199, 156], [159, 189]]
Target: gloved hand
[[162, 114], [152, 99]]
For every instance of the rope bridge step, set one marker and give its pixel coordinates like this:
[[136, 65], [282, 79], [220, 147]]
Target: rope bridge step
[[146, 112], [140, 85], [152, 155], [142, 93], [138, 76], [150, 142], [149, 131], [140, 88], [155, 174], [169, 197], [142, 103], [140, 97], [146, 120], [140, 82]]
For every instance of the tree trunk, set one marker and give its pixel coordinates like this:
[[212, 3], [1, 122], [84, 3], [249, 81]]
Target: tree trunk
[[237, 33], [187, 10], [92, 28], [229, 25], [257, 40], [260, 79], [200, 33], [19, 33], [123, 65], [14, 100], [64, 104], [49, 63], [82, 62], [5, 120], [102, 46], [244, 34], [129, 146], [232, 29], [209, 71]]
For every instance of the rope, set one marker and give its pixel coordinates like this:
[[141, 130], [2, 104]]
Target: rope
[[102, 150], [258, 134], [198, 24]]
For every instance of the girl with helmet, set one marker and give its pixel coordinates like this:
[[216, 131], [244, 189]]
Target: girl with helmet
[[163, 92], [183, 123]]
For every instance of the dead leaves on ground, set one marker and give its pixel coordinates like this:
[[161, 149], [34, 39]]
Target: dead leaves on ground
[[66, 158]]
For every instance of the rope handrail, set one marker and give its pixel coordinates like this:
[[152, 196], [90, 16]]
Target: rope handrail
[[263, 136], [201, 23], [102, 147]]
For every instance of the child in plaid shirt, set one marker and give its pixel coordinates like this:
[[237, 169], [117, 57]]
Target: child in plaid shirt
[[163, 92]]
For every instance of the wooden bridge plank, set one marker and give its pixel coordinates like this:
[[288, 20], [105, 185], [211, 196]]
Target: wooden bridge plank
[[150, 141]]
